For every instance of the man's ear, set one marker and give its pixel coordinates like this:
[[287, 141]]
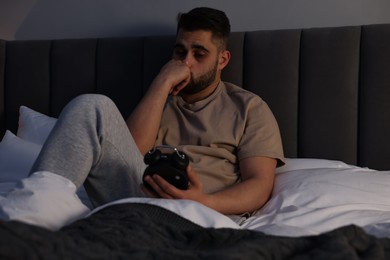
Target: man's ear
[[224, 58]]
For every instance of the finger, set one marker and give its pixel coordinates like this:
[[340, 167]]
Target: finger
[[148, 192], [180, 86], [176, 90], [154, 188], [158, 186], [167, 190]]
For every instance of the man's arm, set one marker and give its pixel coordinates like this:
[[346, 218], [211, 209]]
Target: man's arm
[[257, 173], [144, 121]]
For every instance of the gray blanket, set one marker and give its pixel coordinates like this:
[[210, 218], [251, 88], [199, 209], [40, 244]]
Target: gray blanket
[[141, 231]]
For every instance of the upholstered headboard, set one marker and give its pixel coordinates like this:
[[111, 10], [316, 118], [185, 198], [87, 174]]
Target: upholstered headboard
[[329, 88]]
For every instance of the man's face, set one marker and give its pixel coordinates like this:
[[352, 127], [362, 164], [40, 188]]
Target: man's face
[[201, 82], [200, 52]]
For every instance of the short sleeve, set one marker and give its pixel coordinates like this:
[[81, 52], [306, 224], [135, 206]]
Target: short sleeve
[[261, 135]]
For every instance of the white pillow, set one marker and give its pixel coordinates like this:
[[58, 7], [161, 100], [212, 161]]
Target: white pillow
[[312, 201], [293, 164], [34, 126], [44, 199], [18, 153], [16, 157]]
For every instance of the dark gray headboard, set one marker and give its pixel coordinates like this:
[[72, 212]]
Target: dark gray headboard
[[329, 88]]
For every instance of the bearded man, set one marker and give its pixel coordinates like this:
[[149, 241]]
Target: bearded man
[[230, 135]]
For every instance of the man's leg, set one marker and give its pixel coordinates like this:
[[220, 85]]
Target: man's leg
[[91, 143]]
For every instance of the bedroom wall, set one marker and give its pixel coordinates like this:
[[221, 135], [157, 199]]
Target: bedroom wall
[[44, 19]]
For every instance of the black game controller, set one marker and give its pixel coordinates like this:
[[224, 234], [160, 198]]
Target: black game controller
[[170, 166]]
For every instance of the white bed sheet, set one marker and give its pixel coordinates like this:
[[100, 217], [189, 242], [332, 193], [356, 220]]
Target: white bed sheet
[[304, 202], [311, 196]]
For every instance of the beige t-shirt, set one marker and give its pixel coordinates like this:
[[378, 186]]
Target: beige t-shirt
[[229, 125]]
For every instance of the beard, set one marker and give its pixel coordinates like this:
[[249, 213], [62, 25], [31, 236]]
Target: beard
[[203, 81]]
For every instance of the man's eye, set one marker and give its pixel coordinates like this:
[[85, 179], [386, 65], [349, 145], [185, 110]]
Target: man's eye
[[199, 54], [180, 53]]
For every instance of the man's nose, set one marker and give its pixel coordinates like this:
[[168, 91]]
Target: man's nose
[[188, 59]]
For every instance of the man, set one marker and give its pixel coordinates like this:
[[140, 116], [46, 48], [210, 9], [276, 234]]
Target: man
[[229, 134]]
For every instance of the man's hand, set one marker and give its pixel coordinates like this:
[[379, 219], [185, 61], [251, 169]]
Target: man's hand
[[257, 174], [175, 74], [163, 189]]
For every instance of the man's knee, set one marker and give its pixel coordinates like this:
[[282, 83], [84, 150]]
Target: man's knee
[[92, 99], [86, 103]]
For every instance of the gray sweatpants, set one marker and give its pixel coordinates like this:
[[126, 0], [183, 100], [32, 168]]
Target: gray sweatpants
[[91, 145]]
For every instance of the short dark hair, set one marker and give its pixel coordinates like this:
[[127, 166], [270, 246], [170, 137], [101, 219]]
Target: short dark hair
[[209, 19]]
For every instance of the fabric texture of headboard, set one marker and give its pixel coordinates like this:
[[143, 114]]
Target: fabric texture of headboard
[[329, 88]]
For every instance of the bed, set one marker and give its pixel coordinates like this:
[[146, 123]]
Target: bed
[[329, 89]]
